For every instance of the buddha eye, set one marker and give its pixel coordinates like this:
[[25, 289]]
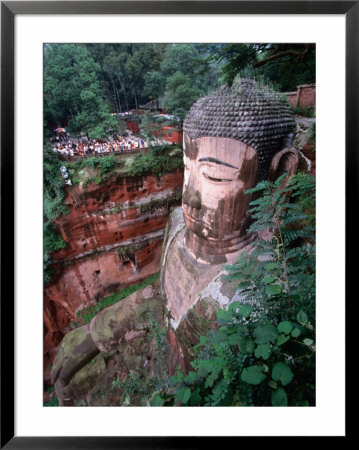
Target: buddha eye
[[217, 180]]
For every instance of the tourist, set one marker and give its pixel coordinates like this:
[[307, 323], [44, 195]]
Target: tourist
[[82, 146]]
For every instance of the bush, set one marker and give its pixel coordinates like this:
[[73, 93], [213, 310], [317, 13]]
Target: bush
[[52, 239], [106, 164], [53, 186], [156, 161], [52, 242], [52, 402], [103, 165], [305, 112]]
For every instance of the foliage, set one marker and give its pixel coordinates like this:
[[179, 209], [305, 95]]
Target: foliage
[[136, 386], [52, 243], [125, 69], [48, 273], [52, 239], [180, 94], [103, 166], [88, 313], [189, 59], [133, 74], [53, 207], [236, 57], [156, 161], [53, 186], [53, 402], [151, 126], [72, 92], [83, 83], [159, 335], [263, 352], [284, 65], [155, 84], [305, 112]]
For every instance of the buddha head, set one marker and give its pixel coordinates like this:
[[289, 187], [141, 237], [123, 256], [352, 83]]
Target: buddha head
[[232, 139]]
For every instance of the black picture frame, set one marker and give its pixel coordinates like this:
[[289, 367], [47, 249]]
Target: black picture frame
[[9, 9]]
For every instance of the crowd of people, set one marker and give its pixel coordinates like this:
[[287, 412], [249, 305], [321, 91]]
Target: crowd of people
[[66, 146]]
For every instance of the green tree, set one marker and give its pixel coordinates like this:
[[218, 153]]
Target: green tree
[[285, 65], [72, 91], [180, 94], [180, 57], [124, 68], [234, 58], [190, 59], [104, 55], [143, 58], [154, 87], [132, 74]]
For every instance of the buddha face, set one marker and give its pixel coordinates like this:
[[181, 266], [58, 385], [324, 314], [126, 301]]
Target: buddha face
[[217, 173]]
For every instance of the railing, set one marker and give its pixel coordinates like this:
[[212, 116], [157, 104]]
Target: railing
[[124, 152]]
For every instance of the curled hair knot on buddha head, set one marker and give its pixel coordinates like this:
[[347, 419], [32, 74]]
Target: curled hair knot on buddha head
[[247, 112]]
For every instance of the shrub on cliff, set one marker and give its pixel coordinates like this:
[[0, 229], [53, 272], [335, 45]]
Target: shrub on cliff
[[157, 160], [102, 168], [52, 243], [52, 238], [53, 186]]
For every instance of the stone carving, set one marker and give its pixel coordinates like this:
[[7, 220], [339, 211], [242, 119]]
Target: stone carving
[[247, 112], [232, 139]]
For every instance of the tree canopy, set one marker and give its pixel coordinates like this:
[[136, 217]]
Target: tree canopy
[[284, 65], [72, 91], [84, 83]]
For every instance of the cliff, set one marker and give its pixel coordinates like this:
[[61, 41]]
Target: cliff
[[137, 342], [114, 232]]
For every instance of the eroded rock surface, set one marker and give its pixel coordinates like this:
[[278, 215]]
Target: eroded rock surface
[[116, 211], [114, 233], [122, 339]]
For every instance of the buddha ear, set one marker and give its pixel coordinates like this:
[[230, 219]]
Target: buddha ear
[[286, 160]]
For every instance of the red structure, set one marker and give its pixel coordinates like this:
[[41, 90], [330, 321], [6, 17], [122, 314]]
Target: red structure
[[303, 97], [133, 125], [171, 134], [165, 132]]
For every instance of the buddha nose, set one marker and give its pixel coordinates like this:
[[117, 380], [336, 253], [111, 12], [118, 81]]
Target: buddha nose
[[192, 198]]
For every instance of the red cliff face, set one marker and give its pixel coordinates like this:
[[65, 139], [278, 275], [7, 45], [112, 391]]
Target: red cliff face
[[113, 212], [114, 233]]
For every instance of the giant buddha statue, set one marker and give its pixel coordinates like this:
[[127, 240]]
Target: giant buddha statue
[[232, 138]]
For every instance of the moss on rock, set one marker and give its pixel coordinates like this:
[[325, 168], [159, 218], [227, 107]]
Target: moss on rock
[[85, 379], [76, 350]]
